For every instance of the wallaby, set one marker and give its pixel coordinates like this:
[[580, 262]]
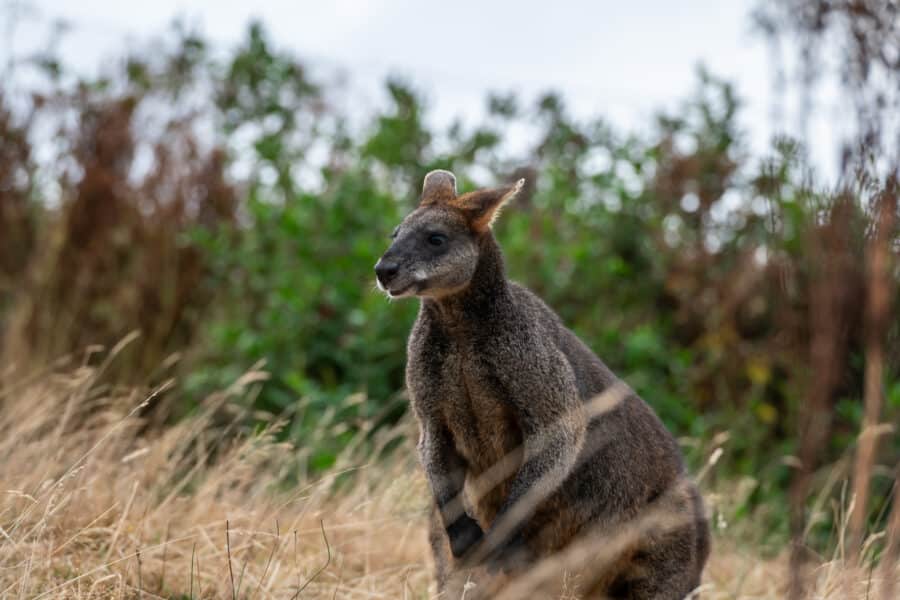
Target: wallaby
[[543, 465]]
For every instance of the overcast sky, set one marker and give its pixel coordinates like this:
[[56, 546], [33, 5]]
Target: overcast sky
[[623, 60]]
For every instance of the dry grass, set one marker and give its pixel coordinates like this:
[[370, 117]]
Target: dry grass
[[93, 508]]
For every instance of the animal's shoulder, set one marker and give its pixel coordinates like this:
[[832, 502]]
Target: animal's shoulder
[[530, 307], [535, 318], [527, 342], [592, 373], [426, 339], [422, 366]]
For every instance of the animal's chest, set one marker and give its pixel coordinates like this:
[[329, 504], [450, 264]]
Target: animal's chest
[[477, 411]]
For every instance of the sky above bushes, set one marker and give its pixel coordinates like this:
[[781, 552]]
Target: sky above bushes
[[622, 60]]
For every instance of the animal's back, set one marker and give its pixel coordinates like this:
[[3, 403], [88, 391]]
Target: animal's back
[[629, 458]]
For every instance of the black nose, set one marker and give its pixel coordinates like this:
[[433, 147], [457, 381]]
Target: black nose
[[385, 270]]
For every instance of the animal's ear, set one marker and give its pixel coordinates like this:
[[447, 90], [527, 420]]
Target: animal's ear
[[483, 207], [439, 187]]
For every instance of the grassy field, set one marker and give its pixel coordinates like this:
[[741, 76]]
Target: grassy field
[[94, 507]]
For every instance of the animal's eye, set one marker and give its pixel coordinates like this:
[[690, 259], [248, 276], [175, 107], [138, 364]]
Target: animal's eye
[[437, 239], [396, 231]]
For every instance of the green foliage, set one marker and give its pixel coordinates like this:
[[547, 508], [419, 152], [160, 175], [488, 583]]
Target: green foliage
[[297, 292]]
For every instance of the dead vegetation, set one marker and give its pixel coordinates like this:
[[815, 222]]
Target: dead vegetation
[[93, 508]]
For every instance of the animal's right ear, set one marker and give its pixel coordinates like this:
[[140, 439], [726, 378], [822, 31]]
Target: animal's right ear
[[482, 207], [439, 187]]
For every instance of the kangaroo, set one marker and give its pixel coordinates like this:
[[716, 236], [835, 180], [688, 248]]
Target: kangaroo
[[545, 468]]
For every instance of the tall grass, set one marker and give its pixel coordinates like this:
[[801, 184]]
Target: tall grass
[[95, 505], [91, 508]]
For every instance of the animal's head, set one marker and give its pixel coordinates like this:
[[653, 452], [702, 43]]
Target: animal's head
[[435, 249]]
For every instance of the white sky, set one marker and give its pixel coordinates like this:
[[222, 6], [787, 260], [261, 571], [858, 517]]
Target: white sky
[[622, 60]]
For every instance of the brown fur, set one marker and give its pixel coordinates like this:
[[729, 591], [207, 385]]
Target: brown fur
[[534, 450]]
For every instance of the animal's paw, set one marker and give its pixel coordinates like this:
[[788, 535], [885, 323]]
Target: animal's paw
[[512, 555], [464, 533]]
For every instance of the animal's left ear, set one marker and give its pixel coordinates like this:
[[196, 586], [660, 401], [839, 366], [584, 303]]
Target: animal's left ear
[[482, 207]]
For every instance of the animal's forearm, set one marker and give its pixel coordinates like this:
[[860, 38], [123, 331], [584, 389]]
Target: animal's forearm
[[445, 471], [550, 456]]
